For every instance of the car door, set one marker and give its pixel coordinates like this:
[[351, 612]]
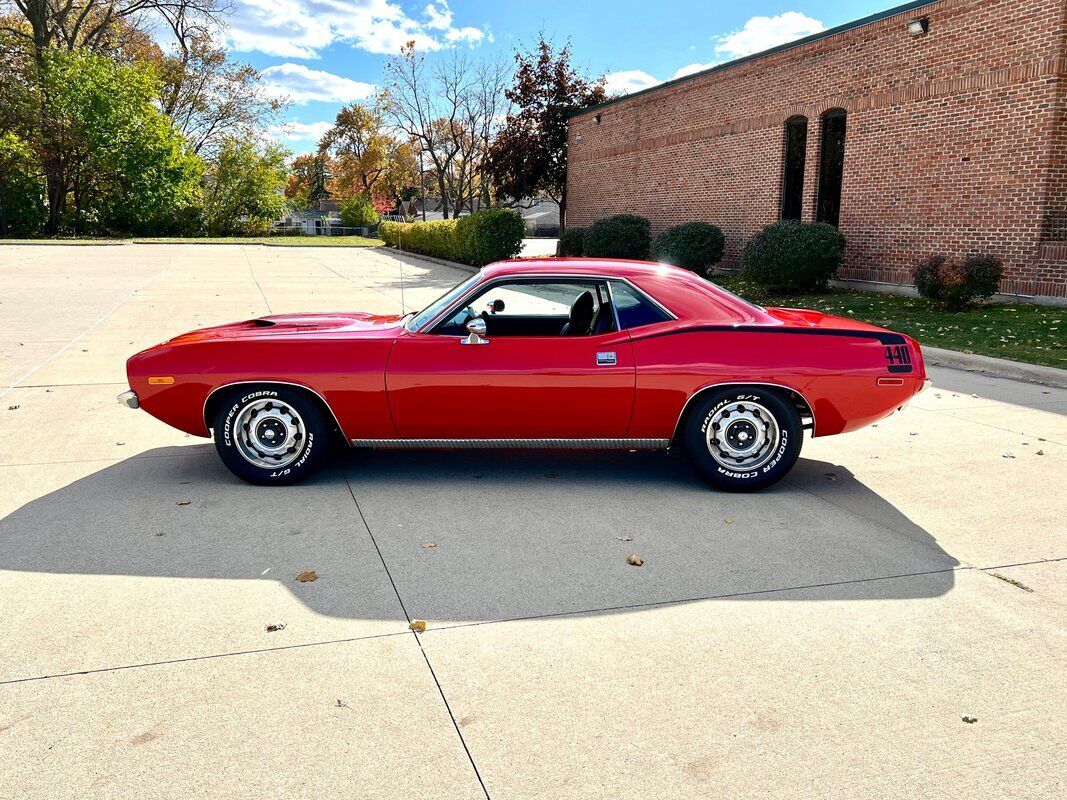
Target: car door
[[526, 380]]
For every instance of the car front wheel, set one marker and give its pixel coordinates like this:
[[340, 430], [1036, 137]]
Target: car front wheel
[[270, 435], [743, 439]]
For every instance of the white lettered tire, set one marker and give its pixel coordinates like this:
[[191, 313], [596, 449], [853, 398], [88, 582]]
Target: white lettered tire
[[270, 435], [743, 439]]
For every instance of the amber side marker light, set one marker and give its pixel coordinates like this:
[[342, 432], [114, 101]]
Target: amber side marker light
[[164, 380]]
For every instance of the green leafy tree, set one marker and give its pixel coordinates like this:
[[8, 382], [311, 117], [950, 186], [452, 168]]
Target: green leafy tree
[[21, 204], [358, 212], [244, 187], [119, 161]]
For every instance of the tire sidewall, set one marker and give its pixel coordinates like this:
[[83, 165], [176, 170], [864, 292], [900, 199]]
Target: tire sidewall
[[721, 477], [315, 441]]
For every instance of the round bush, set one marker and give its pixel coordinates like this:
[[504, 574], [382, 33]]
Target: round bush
[[570, 242], [622, 236], [632, 219], [490, 235], [794, 256], [695, 245], [954, 285]]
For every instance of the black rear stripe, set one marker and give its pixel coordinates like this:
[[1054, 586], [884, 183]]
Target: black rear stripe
[[881, 336]]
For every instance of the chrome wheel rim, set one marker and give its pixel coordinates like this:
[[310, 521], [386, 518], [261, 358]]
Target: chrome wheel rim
[[269, 433], [743, 436]]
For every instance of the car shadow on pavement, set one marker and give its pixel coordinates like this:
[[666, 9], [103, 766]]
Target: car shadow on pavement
[[482, 535]]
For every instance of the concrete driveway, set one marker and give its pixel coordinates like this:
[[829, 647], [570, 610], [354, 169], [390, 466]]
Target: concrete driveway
[[822, 639]]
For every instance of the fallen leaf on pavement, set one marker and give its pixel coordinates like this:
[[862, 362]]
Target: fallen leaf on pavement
[[728, 521], [969, 719], [625, 538], [275, 626], [307, 577], [634, 560], [13, 408], [1006, 455], [184, 502], [428, 544], [1039, 453], [417, 625]]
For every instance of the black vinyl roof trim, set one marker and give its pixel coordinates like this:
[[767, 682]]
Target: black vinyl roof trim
[[848, 26]]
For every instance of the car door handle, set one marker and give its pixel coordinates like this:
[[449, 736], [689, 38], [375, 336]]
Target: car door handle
[[605, 360]]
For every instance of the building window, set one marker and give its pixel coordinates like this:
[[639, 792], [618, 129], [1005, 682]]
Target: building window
[[832, 166], [796, 152]]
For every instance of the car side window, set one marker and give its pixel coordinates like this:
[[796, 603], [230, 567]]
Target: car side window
[[634, 308], [536, 308]]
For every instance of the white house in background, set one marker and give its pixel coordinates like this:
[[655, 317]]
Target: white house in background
[[541, 215], [313, 221]]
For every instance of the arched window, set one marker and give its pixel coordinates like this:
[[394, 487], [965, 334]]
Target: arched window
[[832, 166], [796, 153]]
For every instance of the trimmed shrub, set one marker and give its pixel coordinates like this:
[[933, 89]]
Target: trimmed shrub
[[954, 285], [490, 235], [359, 212], [621, 236], [696, 246], [794, 256], [570, 242], [478, 239]]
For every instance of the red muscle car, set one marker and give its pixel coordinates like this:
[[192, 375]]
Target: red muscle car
[[552, 353]]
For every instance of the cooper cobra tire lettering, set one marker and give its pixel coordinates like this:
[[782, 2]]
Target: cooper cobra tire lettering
[[311, 425], [696, 440]]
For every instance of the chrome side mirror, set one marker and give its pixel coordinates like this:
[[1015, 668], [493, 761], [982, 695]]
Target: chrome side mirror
[[476, 328]]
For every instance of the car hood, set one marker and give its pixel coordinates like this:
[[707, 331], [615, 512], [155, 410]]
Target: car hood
[[275, 325]]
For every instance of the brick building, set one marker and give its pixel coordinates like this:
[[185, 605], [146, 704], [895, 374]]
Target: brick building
[[934, 127]]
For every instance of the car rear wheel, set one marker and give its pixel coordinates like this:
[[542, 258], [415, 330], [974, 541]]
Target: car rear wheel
[[743, 439], [270, 435]]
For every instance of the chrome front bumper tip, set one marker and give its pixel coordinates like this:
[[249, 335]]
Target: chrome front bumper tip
[[129, 399]]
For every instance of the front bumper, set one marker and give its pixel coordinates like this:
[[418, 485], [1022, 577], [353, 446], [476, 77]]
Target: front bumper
[[129, 399]]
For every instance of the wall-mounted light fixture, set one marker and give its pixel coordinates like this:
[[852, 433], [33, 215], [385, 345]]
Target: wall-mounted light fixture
[[918, 27], [596, 119]]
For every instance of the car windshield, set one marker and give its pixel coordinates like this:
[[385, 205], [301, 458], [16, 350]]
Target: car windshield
[[440, 304]]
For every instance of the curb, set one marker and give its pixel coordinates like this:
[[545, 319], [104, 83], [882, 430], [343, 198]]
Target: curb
[[995, 367], [432, 259]]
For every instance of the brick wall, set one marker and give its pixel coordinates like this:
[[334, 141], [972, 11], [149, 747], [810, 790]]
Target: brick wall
[[956, 142]]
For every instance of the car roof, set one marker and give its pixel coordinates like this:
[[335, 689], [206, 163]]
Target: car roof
[[684, 293]]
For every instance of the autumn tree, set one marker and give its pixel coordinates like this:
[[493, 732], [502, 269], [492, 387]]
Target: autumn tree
[[528, 156], [448, 111], [208, 95]]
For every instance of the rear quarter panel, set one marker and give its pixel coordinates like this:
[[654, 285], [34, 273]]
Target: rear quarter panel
[[349, 374], [837, 374]]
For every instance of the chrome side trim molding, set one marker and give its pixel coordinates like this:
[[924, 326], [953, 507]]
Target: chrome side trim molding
[[513, 444]]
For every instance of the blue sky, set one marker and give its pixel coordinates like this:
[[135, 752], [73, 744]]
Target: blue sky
[[322, 53]]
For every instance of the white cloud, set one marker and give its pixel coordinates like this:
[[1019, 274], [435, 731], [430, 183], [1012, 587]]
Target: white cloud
[[303, 85], [759, 33], [438, 18], [628, 81], [302, 28], [296, 135], [689, 69], [763, 33]]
